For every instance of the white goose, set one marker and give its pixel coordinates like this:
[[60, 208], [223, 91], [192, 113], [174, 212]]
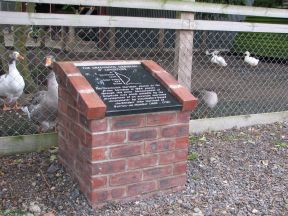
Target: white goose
[[45, 103], [208, 99], [217, 59], [12, 83], [250, 60]]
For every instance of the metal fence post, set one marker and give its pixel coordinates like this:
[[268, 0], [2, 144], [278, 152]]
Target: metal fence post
[[184, 52]]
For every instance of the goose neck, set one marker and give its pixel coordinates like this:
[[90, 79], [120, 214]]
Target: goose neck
[[12, 67]]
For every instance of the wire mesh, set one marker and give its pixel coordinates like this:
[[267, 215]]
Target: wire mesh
[[240, 87]]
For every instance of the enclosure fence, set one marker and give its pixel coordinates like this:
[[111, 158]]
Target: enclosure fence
[[189, 49]]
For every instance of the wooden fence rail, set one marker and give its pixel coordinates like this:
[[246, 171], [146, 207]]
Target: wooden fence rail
[[21, 18], [173, 5]]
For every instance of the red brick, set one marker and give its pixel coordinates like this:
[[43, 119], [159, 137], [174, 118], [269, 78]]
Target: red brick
[[162, 118], [98, 125], [77, 130], [74, 142], [161, 75], [141, 188], [143, 134], [98, 196], [159, 145], [181, 155], [108, 138], [84, 186], [180, 168], [142, 162], [83, 121], [167, 157], [183, 117], [77, 83], [172, 157], [62, 131], [72, 113], [126, 122], [62, 106], [157, 172], [91, 105], [62, 80], [66, 68], [117, 193], [126, 151], [98, 182], [152, 66], [125, 178], [82, 168], [65, 96], [172, 182], [182, 142], [99, 154], [109, 167], [175, 130], [189, 102]]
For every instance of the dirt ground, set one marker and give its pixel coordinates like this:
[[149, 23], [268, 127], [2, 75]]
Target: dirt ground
[[234, 172]]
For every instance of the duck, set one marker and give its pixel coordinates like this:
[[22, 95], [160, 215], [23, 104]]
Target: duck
[[250, 60], [12, 83], [44, 105], [208, 99], [216, 59]]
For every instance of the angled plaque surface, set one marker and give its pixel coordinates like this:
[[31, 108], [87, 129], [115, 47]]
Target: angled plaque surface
[[127, 88]]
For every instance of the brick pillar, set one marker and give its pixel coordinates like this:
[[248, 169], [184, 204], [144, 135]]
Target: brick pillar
[[121, 157]]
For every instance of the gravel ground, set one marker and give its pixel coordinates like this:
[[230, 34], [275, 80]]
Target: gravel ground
[[234, 172]]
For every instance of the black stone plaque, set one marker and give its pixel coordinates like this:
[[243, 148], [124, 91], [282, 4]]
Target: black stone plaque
[[128, 88]]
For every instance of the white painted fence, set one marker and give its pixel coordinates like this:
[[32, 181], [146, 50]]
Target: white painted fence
[[181, 48], [185, 6]]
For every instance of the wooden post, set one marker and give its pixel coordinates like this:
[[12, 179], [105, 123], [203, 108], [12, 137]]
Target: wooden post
[[184, 53], [70, 43], [112, 40], [161, 38]]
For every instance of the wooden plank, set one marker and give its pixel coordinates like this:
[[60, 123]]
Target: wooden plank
[[174, 5], [184, 53], [19, 18], [27, 143], [239, 26]]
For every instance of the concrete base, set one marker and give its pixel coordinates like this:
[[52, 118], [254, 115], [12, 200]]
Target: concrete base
[[27, 143], [224, 123]]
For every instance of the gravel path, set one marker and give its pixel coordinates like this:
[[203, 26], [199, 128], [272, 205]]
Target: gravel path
[[235, 172]]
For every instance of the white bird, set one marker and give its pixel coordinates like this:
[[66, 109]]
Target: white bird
[[207, 99], [12, 83], [45, 103], [250, 60], [216, 59]]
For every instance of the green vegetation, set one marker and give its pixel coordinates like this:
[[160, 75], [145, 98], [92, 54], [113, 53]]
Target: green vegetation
[[232, 2], [193, 156], [280, 144], [268, 3], [262, 44]]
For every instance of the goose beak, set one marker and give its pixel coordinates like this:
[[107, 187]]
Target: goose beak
[[20, 57], [48, 62]]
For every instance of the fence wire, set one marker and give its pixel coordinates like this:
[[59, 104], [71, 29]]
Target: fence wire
[[240, 87]]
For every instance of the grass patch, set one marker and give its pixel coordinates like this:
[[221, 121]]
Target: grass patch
[[193, 156], [280, 144], [197, 138], [262, 44]]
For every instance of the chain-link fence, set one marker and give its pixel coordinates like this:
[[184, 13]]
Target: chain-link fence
[[240, 87]]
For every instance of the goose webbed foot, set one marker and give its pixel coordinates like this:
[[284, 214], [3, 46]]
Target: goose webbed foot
[[16, 106], [6, 108]]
